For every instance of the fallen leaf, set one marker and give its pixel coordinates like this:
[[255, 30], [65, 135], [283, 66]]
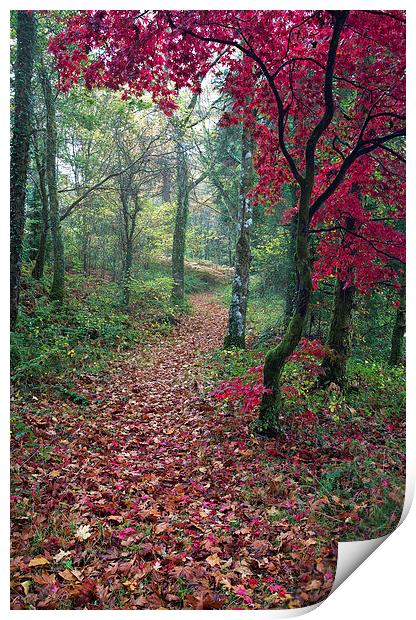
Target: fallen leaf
[[315, 584], [213, 560], [83, 532], [116, 518], [26, 586], [67, 575], [60, 555], [39, 560], [162, 527]]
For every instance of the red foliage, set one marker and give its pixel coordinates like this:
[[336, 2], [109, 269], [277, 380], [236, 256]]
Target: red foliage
[[151, 488], [249, 389], [277, 82]]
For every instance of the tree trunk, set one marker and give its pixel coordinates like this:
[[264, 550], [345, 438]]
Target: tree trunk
[[19, 155], [290, 292], [33, 220], [39, 266], [128, 263], [236, 330], [398, 330], [268, 422], [179, 235], [165, 182], [57, 289], [334, 365]]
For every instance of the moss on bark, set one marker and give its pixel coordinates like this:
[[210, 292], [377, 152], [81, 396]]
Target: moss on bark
[[334, 365]]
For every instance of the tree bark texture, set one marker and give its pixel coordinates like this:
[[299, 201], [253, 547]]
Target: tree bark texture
[[236, 329], [399, 330], [39, 265], [57, 289], [334, 365], [290, 269], [181, 219], [19, 155], [268, 422]]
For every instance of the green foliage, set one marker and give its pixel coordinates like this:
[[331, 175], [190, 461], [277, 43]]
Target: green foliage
[[264, 314], [269, 260], [51, 340], [234, 362]]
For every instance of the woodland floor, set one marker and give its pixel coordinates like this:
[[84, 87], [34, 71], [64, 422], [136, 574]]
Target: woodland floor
[[154, 496]]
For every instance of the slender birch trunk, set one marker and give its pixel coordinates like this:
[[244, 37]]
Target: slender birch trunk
[[181, 219], [236, 330]]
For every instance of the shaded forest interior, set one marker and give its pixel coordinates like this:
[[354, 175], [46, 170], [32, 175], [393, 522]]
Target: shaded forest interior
[[207, 261]]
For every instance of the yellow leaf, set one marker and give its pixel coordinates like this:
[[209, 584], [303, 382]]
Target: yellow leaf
[[310, 541], [26, 585], [273, 511], [225, 582], [39, 560], [214, 560], [204, 513]]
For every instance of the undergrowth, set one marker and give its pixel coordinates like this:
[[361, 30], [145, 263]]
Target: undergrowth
[[54, 343], [343, 450]]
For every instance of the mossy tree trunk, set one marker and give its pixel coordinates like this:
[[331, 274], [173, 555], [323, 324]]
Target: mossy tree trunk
[[290, 268], [130, 207], [19, 155], [57, 288], [180, 125], [166, 181], [268, 422], [399, 330], [127, 270], [334, 365], [39, 265], [33, 219], [236, 329], [181, 219]]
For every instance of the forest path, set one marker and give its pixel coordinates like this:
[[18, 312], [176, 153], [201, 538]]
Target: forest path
[[156, 496]]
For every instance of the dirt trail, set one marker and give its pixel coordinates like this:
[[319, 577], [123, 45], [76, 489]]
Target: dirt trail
[[174, 493]]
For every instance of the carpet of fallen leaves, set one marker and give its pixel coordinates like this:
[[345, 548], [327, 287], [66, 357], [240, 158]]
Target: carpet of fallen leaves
[[153, 496]]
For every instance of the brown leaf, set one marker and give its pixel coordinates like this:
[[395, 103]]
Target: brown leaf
[[67, 575], [44, 579], [39, 560], [213, 560], [116, 518], [315, 584]]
